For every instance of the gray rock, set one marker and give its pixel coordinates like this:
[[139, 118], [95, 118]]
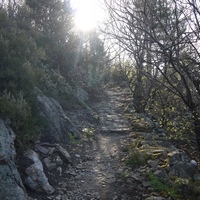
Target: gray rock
[[160, 174], [63, 153], [51, 151], [36, 178], [71, 171], [153, 163], [50, 165], [59, 161], [196, 177], [155, 198], [41, 149], [59, 123], [177, 156], [77, 156], [59, 170], [180, 166], [7, 137], [11, 187], [180, 169]]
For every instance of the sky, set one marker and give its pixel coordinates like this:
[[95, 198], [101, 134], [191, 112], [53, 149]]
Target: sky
[[88, 13]]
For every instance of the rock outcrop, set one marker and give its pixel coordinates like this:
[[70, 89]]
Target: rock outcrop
[[11, 187], [36, 179], [59, 125]]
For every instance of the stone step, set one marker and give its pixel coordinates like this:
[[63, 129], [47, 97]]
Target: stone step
[[117, 130]]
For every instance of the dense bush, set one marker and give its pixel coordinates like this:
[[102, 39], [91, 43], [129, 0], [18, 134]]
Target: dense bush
[[24, 121], [52, 83]]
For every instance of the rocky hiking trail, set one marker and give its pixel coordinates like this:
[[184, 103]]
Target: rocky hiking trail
[[97, 168]]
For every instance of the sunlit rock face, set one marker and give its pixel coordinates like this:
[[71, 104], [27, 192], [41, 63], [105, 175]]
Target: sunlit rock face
[[11, 186], [59, 125]]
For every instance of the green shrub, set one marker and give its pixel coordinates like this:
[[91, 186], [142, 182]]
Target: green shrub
[[54, 84], [137, 158], [73, 139], [117, 74], [163, 187], [24, 123]]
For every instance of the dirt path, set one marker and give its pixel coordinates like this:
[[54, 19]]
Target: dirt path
[[97, 169], [96, 172]]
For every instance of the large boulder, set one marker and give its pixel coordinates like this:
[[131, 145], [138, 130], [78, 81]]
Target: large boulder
[[36, 178], [181, 166], [60, 126], [11, 187]]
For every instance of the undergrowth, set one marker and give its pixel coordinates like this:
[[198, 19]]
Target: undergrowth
[[137, 158], [164, 188], [23, 119]]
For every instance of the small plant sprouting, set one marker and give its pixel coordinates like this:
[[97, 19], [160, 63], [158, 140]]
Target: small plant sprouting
[[137, 159], [88, 132], [72, 138]]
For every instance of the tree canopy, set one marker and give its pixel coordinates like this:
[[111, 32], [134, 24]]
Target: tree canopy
[[40, 49], [161, 40]]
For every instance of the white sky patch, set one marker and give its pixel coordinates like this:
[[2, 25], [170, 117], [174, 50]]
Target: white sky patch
[[87, 13]]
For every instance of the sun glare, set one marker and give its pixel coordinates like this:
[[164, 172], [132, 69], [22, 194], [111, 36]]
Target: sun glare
[[88, 14]]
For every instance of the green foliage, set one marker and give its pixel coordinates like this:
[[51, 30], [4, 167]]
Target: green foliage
[[92, 61], [137, 158], [38, 49], [171, 114], [163, 187], [117, 74], [24, 123], [19, 57], [73, 139], [54, 25], [16, 108], [52, 83]]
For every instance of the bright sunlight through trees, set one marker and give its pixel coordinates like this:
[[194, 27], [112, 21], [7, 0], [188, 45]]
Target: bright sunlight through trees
[[88, 13]]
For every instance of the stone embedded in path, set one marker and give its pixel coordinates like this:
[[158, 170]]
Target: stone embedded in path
[[111, 115], [115, 130]]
